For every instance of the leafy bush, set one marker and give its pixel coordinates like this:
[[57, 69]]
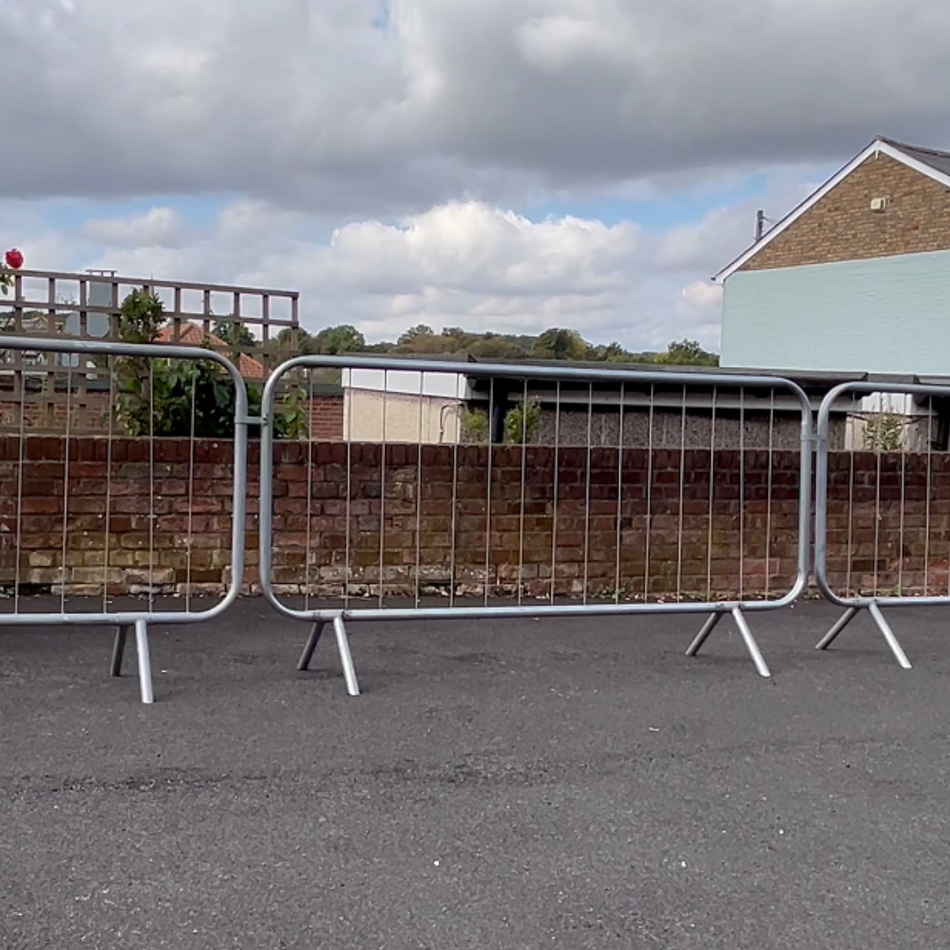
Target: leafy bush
[[175, 398], [522, 422], [475, 427], [183, 397], [293, 419], [883, 433]]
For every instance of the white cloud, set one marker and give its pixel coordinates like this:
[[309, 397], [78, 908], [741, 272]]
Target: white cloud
[[369, 152], [467, 264], [318, 104], [474, 248], [159, 227], [460, 263], [702, 294]]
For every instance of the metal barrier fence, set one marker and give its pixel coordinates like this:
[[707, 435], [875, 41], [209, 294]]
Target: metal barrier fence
[[532, 491], [127, 513], [882, 506]]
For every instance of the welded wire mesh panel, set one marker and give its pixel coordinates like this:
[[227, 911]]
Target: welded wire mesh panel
[[125, 493], [451, 490]]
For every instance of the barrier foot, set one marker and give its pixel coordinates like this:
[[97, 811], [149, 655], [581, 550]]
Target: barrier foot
[[703, 634], [884, 627], [343, 645], [841, 623], [118, 650], [750, 643], [145, 666], [304, 662], [747, 638]]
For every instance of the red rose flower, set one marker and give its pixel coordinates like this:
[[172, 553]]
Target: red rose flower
[[14, 258]]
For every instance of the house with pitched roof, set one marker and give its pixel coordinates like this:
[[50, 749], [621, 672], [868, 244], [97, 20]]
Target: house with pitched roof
[[187, 333], [855, 279]]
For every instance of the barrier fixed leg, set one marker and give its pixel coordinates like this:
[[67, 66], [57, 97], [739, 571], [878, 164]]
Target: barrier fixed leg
[[118, 651], [343, 648], [702, 636], [145, 666], [875, 611], [304, 662], [744, 630], [840, 624]]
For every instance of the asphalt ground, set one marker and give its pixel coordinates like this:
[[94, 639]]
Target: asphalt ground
[[500, 784]]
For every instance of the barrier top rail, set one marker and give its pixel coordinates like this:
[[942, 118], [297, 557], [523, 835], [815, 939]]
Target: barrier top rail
[[821, 492], [551, 373], [152, 351]]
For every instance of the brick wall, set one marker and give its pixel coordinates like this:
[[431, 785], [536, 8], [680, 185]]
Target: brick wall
[[693, 547], [87, 411], [842, 227], [552, 539], [136, 516], [889, 522], [326, 418]]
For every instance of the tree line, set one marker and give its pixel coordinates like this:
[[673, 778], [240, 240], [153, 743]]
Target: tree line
[[554, 344]]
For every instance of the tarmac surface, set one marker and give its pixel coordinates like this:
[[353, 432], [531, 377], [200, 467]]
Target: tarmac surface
[[500, 784]]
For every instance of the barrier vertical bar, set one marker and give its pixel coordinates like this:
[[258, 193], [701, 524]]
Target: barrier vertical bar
[[21, 449], [64, 573], [556, 489], [110, 369], [854, 416], [877, 491], [348, 410], [151, 498], [682, 489], [768, 492], [382, 494], [491, 452], [620, 445], [930, 419], [590, 462], [418, 577], [712, 484], [903, 481], [308, 542], [742, 494], [524, 473], [191, 491], [649, 499], [455, 503]]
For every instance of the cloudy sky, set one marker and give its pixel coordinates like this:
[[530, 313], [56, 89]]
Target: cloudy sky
[[494, 164]]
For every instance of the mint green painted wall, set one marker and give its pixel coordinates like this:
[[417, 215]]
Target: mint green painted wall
[[887, 315]]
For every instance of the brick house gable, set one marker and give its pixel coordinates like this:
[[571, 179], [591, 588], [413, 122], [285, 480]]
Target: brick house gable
[[836, 223], [842, 227]]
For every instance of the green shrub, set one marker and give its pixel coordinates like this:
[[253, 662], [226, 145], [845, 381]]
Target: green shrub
[[475, 426], [522, 422]]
